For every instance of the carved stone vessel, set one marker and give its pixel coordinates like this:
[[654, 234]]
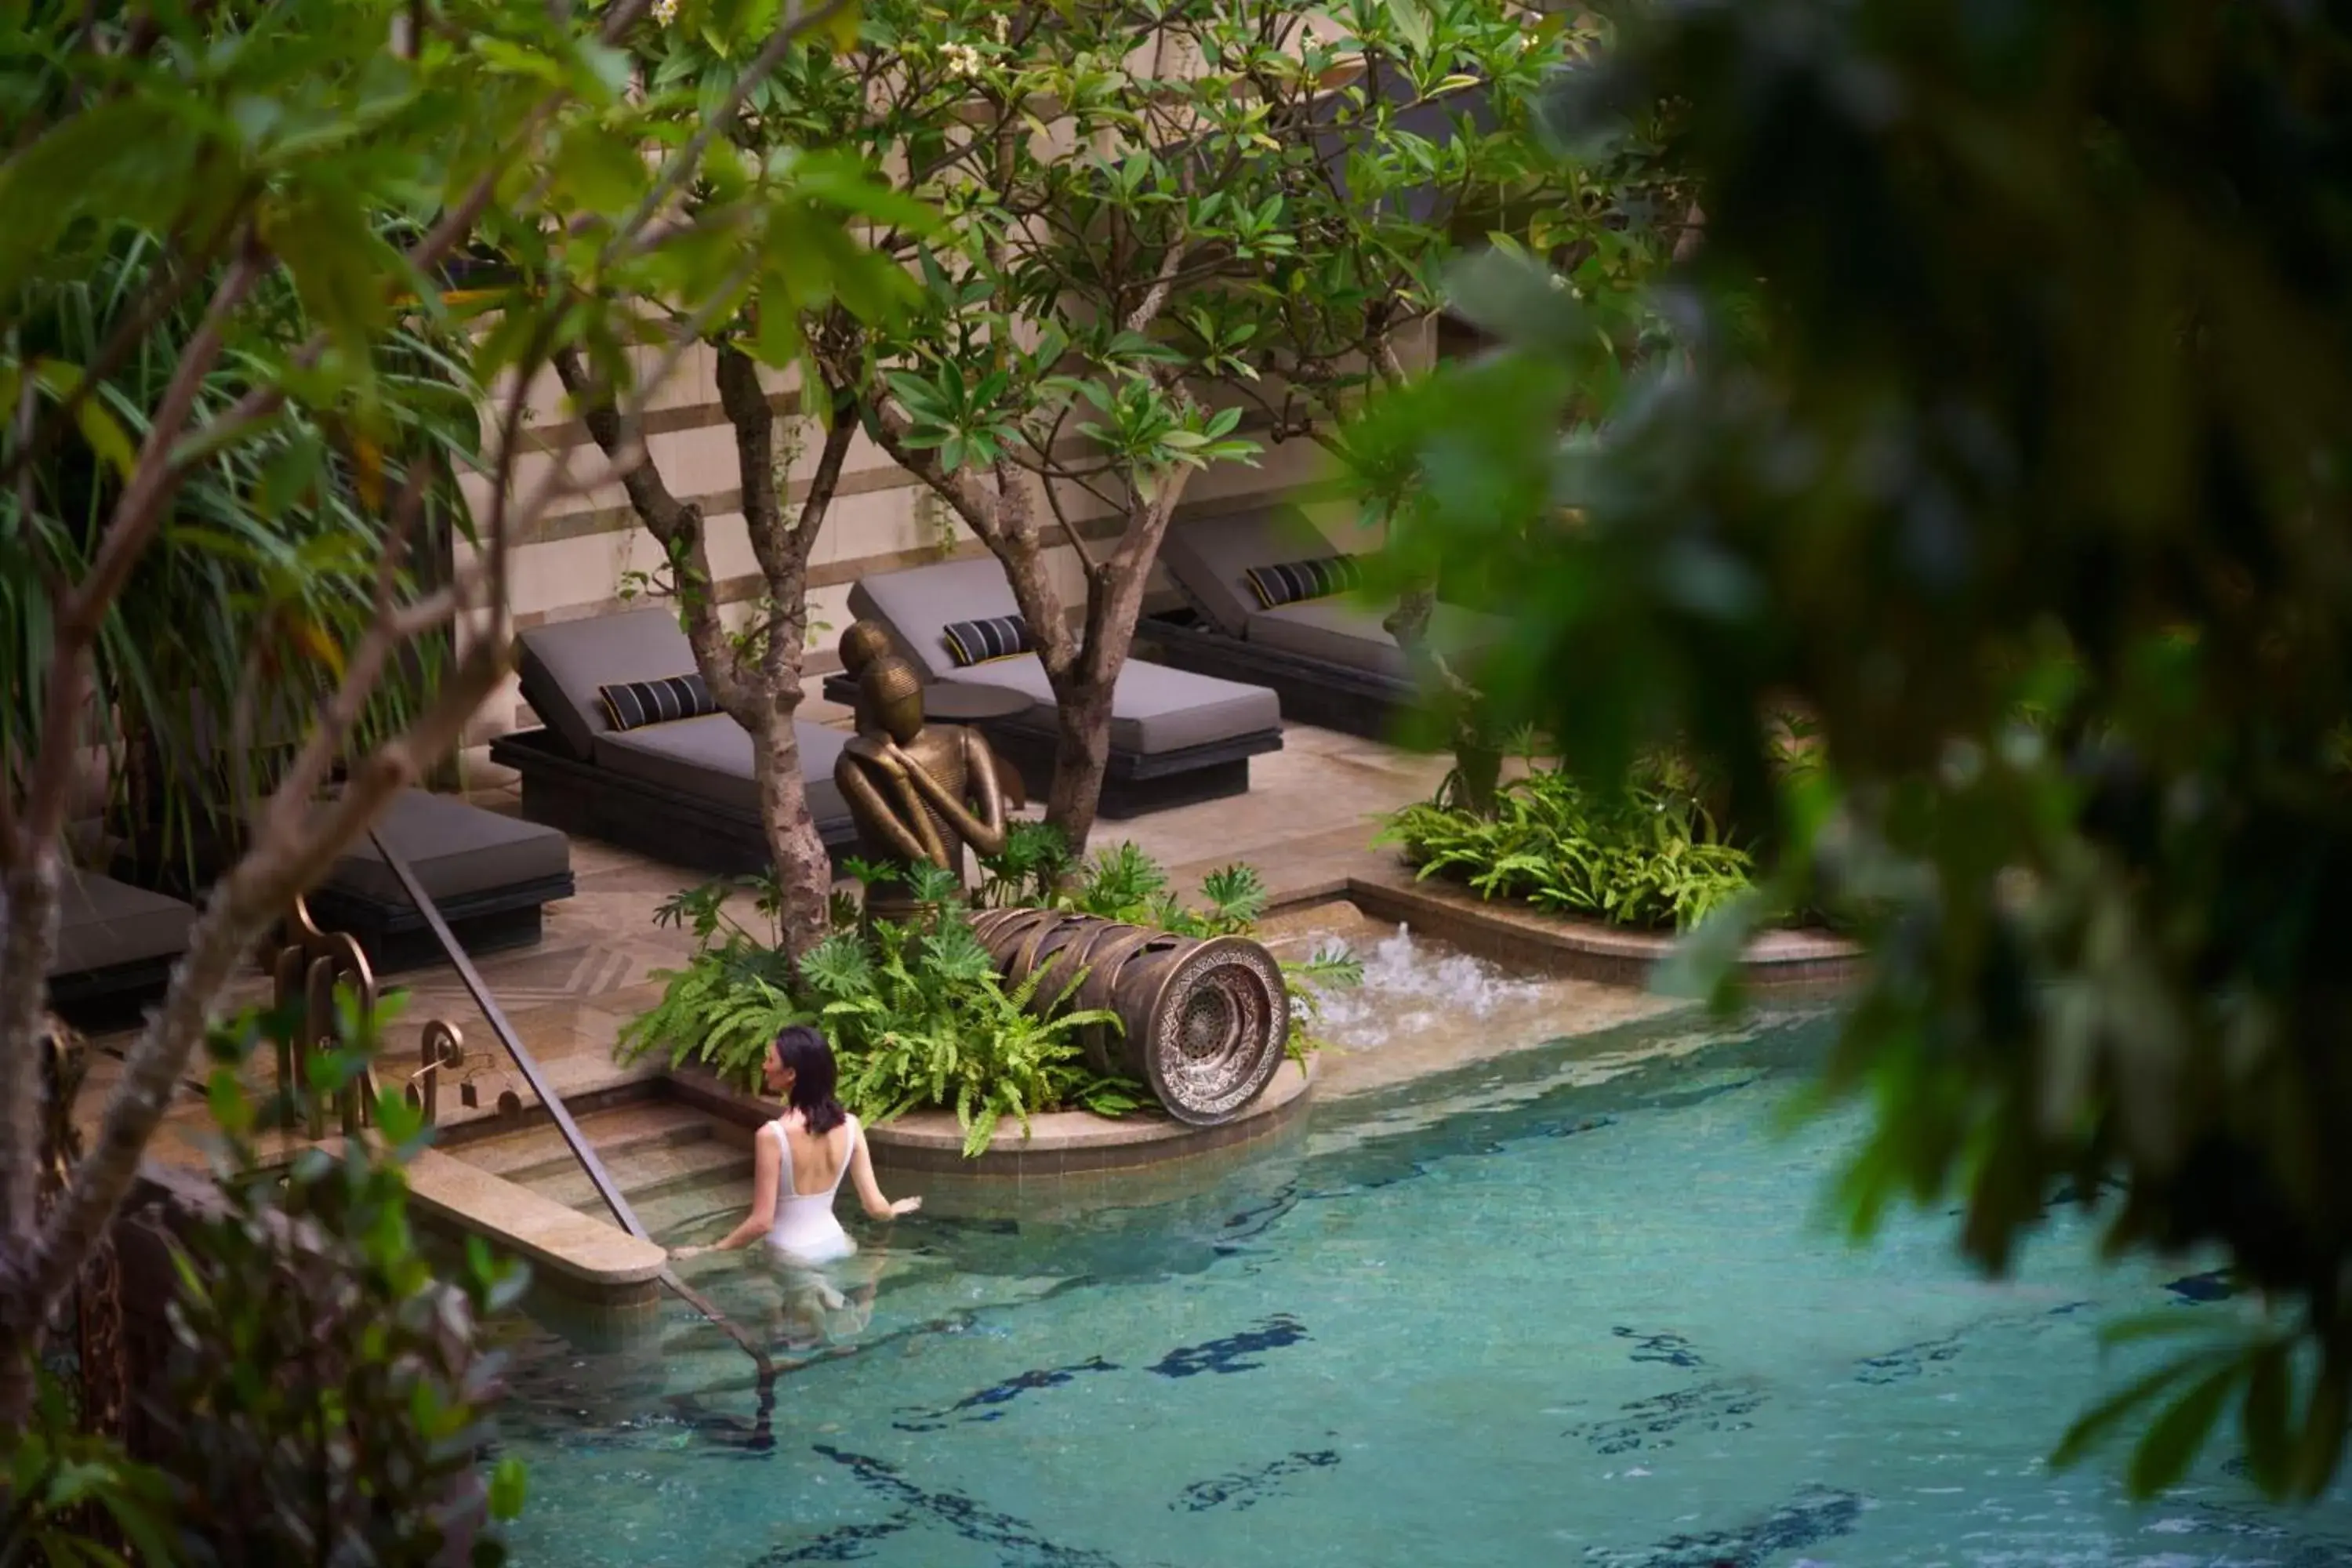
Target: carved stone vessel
[[1206, 1019]]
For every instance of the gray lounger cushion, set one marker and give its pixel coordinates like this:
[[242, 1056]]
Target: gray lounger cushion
[[102, 922], [919, 604], [710, 758], [454, 848], [1154, 710], [565, 665], [1210, 557], [1340, 632]]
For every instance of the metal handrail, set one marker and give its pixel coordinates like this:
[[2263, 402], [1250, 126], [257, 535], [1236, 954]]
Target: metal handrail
[[525, 1063]]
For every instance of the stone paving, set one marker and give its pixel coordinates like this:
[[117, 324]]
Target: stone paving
[[1308, 818]]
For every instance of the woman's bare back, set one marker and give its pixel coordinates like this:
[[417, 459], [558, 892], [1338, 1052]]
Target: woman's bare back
[[816, 1159]]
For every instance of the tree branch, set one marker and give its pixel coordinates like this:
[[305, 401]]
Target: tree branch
[[242, 905]]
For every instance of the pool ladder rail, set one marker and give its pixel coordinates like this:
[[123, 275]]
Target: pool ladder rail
[[313, 965]]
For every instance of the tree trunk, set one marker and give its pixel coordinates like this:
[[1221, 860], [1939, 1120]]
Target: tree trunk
[[1081, 756], [804, 873], [1083, 693], [761, 692], [1478, 759], [1081, 666], [770, 693]]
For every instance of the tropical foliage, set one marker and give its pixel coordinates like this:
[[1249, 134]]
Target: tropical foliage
[[323, 1399], [920, 1017], [269, 566], [917, 1013], [1648, 854], [226, 331], [2005, 436]]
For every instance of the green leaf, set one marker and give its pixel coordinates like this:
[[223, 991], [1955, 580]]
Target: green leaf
[[509, 1488], [99, 429], [2094, 1423], [289, 476], [600, 173], [2325, 1423], [777, 342], [2170, 1444], [2263, 1419]]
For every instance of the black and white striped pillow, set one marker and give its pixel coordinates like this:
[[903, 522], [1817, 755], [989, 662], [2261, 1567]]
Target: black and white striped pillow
[[1291, 581], [633, 705], [977, 642]]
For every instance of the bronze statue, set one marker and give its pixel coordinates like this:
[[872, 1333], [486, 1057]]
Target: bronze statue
[[917, 792], [861, 645]]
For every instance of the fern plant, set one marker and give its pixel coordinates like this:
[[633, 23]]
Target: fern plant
[[917, 1013], [1652, 856], [1035, 860], [1121, 882], [721, 1010], [920, 1017]]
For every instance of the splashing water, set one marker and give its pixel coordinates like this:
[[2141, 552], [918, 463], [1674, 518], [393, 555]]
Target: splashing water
[[1414, 988]]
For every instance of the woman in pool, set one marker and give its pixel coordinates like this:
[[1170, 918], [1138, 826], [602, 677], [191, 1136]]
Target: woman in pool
[[800, 1158]]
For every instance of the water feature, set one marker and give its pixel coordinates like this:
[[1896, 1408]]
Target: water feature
[[1424, 1003], [1575, 1306], [1410, 988]]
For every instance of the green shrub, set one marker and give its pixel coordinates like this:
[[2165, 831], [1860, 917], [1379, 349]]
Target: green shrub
[[1652, 856], [323, 1398], [1123, 883], [920, 1016], [732, 998], [1031, 866], [917, 1014]]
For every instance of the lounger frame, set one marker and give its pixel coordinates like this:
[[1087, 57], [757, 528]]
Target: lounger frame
[[1330, 696], [668, 824], [395, 935], [113, 995]]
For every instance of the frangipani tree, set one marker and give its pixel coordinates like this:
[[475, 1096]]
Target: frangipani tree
[[1160, 217], [869, 109], [299, 175]]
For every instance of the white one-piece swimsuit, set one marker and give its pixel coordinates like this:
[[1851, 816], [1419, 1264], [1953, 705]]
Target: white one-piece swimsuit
[[804, 1227]]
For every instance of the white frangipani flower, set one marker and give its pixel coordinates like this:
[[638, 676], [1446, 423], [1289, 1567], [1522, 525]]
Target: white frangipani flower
[[665, 12]]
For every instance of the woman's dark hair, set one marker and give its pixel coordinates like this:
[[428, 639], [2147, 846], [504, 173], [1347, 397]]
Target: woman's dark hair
[[804, 1050]]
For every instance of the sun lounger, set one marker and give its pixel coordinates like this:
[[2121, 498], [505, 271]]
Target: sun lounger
[[1175, 737], [491, 875], [679, 790], [116, 946], [1327, 655]]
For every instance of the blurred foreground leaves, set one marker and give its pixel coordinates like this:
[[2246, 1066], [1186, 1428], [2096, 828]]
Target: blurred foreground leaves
[[2005, 439]]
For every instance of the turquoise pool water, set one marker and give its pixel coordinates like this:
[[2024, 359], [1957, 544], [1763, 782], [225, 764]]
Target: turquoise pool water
[[1512, 1319]]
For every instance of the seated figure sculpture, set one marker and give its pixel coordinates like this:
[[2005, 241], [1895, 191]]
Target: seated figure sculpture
[[918, 792]]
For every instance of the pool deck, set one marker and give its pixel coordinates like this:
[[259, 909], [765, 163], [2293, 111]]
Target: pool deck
[[1306, 824]]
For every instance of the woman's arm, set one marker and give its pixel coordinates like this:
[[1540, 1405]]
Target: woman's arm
[[869, 1191], [767, 1160]]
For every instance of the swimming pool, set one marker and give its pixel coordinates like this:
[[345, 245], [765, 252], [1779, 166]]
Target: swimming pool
[[1514, 1316]]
